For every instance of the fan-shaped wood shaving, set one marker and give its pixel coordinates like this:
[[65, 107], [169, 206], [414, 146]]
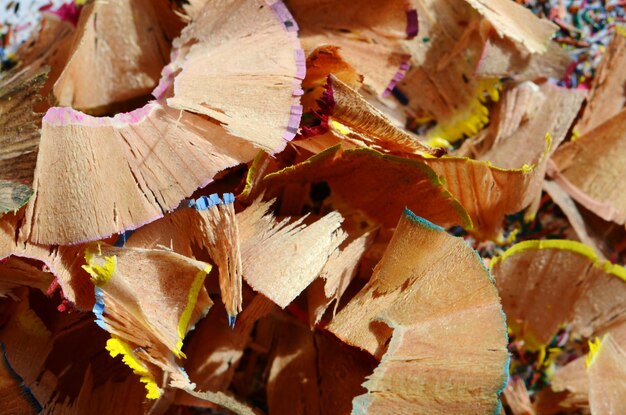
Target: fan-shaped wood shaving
[[591, 173], [606, 97], [253, 92], [106, 68], [268, 248], [98, 176], [369, 124], [379, 185], [148, 300], [263, 241], [483, 190], [480, 187], [369, 34], [219, 233], [63, 263], [516, 22], [517, 134], [429, 289], [502, 58], [574, 377], [545, 284]]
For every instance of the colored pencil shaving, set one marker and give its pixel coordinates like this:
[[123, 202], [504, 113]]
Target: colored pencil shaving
[[312, 207]]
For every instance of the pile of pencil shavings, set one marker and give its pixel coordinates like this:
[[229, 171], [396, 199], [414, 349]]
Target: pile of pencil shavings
[[251, 206]]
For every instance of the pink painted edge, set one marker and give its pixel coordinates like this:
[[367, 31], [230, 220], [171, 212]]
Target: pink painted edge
[[59, 116], [66, 12], [64, 116], [168, 73]]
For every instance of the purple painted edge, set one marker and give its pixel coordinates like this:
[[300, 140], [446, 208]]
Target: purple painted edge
[[289, 24], [294, 122], [399, 75], [326, 106], [300, 63], [412, 28], [284, 15], [412, 23]]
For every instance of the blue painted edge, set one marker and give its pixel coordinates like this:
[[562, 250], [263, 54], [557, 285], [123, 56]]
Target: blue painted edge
[[98, 308], [422, 221], [184, 372], [432, 226], [231, 322], [506, 333], [122, 238], [207, 202], [506, 377]]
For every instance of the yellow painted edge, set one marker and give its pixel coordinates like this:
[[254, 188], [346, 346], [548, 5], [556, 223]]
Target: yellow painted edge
[[594, 347], [526, 168], [100, 274], [439, 143], [473, 117], [566, 245], [530, 216], [546, 151], [115, 346], [251, 172], [339, 127], [327, 153], [500, 240], [192, 299], [541, 357]]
